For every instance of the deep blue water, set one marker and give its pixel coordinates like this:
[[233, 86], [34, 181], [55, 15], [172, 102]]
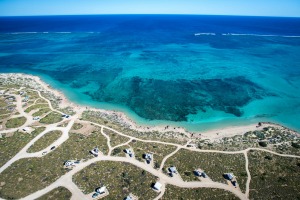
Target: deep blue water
[[196, 71]]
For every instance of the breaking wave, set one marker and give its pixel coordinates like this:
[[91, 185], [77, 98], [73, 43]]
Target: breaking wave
[[246, 34]]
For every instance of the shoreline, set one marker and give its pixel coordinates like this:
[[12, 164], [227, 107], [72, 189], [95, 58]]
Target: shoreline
[[122, 119]]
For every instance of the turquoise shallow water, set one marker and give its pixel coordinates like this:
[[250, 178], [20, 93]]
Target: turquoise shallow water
[[165, 69]]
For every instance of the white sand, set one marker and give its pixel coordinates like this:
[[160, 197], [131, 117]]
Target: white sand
[[123, 119]]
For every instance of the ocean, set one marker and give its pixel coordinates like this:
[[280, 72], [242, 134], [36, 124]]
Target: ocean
[[199, 72]]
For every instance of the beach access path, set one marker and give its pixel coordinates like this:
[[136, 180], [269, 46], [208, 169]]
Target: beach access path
[[77, 194]]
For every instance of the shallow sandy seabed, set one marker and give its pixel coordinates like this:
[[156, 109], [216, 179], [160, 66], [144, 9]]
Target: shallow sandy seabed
[[213, 134]]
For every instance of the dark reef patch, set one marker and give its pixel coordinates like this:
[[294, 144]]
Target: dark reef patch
[[174, 100], [78, 76]]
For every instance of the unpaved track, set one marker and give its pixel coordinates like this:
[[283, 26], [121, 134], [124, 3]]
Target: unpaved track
[[168, 156], [66, 180], [164, 178], [248, 174]]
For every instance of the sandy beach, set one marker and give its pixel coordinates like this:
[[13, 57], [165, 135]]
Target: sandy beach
[[121, 118]]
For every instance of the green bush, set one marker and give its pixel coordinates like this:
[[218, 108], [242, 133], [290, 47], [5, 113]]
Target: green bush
[[173, 192], [51, 118], [116, 151], [15, 122], [295, 145], [187, 173], [268, 157], [263, 144], [273, 179], [44, 141], [120, 179], [259, 134], [60, 193]]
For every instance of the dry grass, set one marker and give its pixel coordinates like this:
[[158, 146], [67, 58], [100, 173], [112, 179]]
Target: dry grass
[[36, 107], [273, 177], [77, 126], [59, 193], [51, 118], [4, 116], [115, 139], [44, 141], [15, 122], [173, 137], [33, 95], [10, 146], [214, 164], [67, 110], [119, 151], [41, 101], [159, 151], [3, 106], [41, 111], [173, 192], [119, 178], [38, 173], [2, 102]]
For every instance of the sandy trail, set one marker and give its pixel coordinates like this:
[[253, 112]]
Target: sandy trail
[[66, 180], [123, 119], [162, 177]]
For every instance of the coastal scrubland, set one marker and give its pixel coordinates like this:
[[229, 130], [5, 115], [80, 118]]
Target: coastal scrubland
[[159, 151], [60, 193], [29, 97], [33, 95], [121, 179], [36, 107], [6, 107], [44, 141], [276, 139], [273, 177], [4, 117], [12, 143], [15, 122], [173, 192], [77, 126], [41, 112], [32, 174], [119, 151], [213, 164], [168, 136], [115, 139], [83, 144], [40, 101], [67, 110], [51, 118]]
